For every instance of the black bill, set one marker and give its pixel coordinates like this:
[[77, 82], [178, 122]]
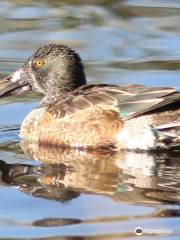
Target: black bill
[[14, 84]]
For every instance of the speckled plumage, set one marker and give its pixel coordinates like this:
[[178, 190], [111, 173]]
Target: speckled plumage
[[77, 115]]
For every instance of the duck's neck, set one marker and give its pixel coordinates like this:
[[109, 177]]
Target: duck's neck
[[49, 100], [57, 96]]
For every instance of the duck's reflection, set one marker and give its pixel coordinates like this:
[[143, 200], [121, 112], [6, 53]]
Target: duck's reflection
[[63, 174], [124, 176]]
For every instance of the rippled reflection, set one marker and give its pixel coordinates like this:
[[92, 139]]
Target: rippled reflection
[[66, 174], [124, 176]]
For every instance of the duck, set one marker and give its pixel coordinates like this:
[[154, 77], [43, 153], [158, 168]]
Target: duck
[[78, 115]]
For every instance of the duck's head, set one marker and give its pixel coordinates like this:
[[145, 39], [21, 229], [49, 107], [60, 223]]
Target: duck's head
[[53, 69]]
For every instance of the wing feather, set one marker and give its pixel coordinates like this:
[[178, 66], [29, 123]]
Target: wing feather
[[132, 100]]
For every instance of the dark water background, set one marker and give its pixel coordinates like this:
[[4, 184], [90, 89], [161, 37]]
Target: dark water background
[[89, 195]]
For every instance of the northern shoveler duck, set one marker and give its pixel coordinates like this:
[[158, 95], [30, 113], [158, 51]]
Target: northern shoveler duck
[[78, 115]]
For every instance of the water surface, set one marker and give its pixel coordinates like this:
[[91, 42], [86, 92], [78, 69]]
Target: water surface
[[49, 193]]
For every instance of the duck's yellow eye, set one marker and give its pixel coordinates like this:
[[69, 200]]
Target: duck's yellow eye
[[39, 63]]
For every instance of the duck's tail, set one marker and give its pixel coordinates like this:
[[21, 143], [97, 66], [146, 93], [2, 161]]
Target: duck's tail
[[168, 136]]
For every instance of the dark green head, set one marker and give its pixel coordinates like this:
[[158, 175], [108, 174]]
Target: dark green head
[[53, 69]]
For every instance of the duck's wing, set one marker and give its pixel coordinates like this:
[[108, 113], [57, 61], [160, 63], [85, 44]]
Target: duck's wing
[[130, 100], [149, 100]]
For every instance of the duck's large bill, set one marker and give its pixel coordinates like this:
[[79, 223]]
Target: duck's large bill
[[14, 84]]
